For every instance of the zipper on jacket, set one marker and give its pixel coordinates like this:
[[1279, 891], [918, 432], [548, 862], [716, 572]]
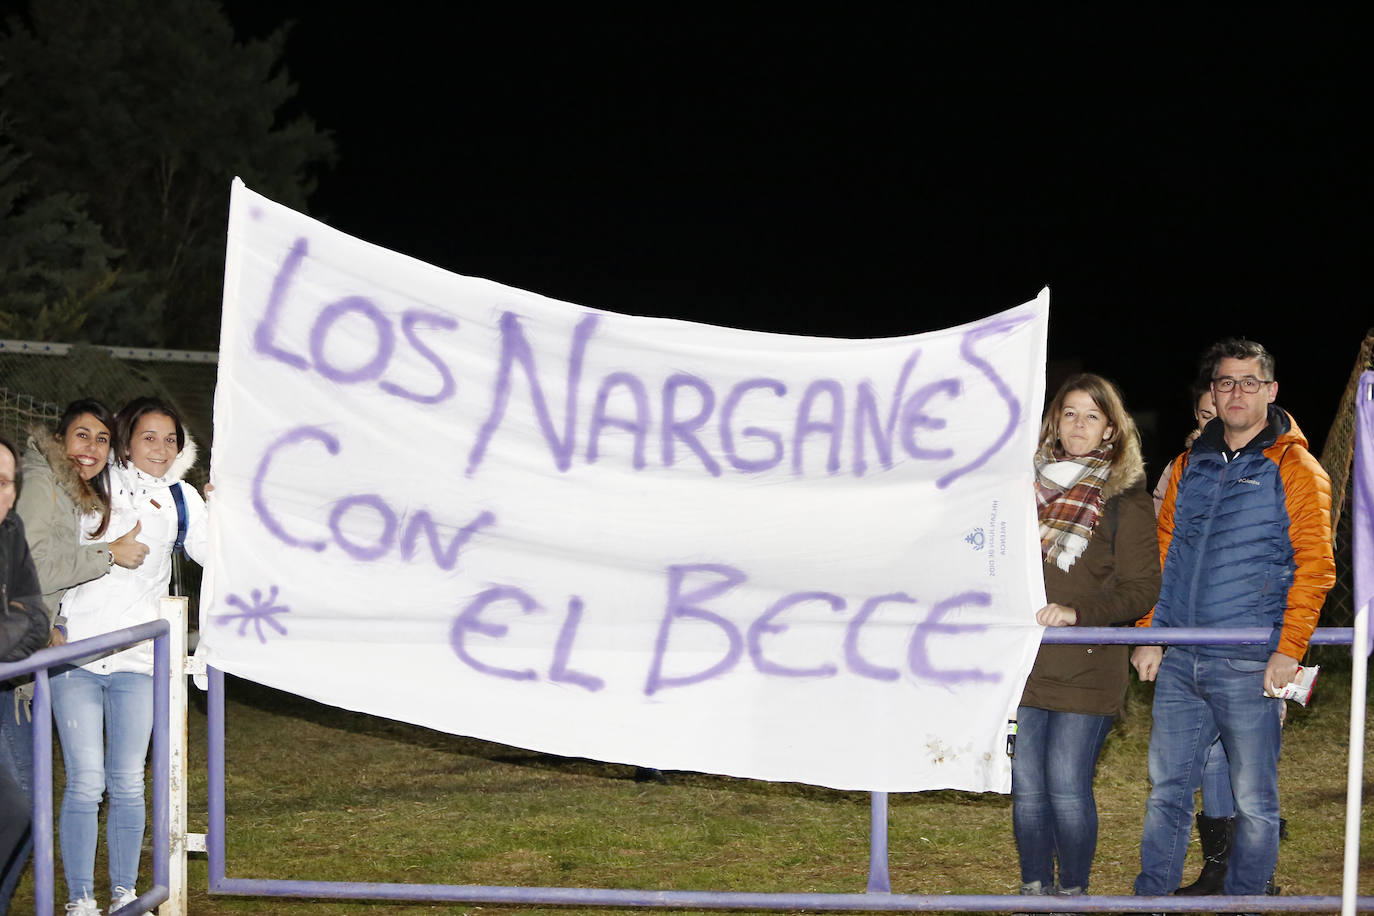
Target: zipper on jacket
[[1205, 540]]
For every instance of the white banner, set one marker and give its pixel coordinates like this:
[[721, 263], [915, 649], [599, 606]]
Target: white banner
[[461, 505]]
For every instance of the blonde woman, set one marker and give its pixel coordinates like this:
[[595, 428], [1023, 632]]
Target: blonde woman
[[1101, 563]]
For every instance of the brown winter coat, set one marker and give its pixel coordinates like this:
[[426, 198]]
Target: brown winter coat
[[1114, 582]]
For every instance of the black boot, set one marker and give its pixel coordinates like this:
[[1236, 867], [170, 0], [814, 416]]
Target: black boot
[[649, 774], [1215, 833]]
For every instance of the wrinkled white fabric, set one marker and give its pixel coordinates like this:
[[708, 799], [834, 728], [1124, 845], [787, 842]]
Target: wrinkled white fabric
[[648, 541]]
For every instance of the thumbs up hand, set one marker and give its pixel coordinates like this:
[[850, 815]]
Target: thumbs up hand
[[127, 550]]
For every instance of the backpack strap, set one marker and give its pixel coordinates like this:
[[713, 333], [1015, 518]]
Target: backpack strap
[[179, 548], [180, 499]]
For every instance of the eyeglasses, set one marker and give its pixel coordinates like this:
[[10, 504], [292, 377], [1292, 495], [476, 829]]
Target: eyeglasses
[[1249, 384]]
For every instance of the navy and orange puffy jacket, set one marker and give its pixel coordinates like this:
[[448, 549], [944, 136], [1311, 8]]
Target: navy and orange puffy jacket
[[1247, 543]]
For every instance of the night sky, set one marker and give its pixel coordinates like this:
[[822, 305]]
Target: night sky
[[1171, 180]]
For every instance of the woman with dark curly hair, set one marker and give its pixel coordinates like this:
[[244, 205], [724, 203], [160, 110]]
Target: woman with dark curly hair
[[65, 507]]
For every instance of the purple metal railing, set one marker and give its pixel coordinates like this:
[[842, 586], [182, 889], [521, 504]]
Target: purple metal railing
[[38, 664], [878, 895]]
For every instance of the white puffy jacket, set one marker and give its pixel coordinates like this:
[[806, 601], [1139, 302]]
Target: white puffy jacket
[[126, 597]]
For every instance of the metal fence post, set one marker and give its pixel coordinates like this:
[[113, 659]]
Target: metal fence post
[[173, 610], [1359, 669], [879, 882], [43, 877]]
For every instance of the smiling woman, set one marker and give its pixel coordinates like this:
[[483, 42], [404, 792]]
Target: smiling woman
[[154, 442], [104, 707], [65, 507]]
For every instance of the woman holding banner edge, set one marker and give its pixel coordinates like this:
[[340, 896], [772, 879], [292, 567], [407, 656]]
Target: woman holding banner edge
[[1101, 566], [103, 705]]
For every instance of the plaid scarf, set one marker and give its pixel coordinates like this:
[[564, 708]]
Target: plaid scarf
[[1068, 492]]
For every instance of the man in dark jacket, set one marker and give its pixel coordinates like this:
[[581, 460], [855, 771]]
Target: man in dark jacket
[[23, 631], [1245, 540]]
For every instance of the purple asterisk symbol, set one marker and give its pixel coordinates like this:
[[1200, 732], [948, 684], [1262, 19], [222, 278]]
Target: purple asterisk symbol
[[257, 614]]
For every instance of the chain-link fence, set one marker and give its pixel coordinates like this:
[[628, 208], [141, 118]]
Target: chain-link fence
[[21, 412]]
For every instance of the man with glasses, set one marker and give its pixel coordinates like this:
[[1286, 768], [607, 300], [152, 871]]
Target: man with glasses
[[1245, 539], [24, 630]]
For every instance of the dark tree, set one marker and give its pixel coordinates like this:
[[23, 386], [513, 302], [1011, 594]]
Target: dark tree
[[146, 110], [54, 263]]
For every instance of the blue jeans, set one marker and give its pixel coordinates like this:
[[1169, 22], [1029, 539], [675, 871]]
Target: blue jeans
[[1217, 800], [14, 824], [1197, 699], [105, 722], [1053, 812], [16, 760]]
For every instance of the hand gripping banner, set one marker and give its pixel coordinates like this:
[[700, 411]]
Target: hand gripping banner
[[647, 541]]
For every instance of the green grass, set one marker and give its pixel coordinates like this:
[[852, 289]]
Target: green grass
[[321, 794]]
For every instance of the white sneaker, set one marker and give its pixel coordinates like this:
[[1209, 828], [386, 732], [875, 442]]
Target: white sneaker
[[83, 907], [121, 896]]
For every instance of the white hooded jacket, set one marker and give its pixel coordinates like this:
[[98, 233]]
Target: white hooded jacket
[[126, 597]]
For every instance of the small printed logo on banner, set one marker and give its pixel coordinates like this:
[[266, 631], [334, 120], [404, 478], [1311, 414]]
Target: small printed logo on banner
[[975, 538], [992, 527]]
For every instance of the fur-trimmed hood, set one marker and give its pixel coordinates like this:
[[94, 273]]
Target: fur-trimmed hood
[[44, 447], [1128, 472], [186, 459]]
